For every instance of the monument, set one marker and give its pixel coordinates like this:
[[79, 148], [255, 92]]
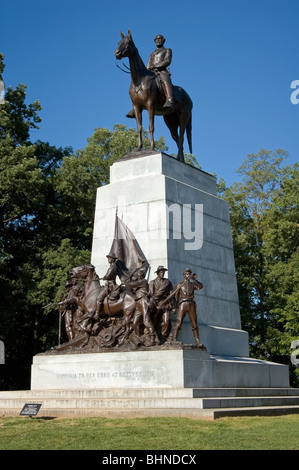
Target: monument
[[128, 323]]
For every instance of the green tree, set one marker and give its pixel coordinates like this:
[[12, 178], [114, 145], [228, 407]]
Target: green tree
[[29, 224], [264, 217]]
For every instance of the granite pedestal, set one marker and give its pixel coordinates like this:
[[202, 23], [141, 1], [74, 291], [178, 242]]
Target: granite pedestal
[[180, 368]]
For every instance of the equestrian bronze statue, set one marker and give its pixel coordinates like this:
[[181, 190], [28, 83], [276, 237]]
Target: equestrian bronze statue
[[151, 89]]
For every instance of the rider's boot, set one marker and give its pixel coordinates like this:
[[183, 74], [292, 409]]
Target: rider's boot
[[152, 341], [98, 309], [131, 114], [169, 103]]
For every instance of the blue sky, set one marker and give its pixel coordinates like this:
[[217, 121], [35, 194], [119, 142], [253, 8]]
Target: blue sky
[[235, 58]]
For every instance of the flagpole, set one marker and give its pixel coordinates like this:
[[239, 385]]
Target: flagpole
[[116, 223]]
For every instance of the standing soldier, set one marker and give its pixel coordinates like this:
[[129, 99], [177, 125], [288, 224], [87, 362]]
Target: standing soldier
[[69, 306], [159, 290], [185, 298]]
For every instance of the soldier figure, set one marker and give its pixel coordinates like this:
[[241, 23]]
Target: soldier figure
[[110, 278], [70, 305], [185, 299], [159, 290], [140, 289]]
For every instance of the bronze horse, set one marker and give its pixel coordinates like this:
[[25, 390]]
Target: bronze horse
[[124, 306], [146, 93]]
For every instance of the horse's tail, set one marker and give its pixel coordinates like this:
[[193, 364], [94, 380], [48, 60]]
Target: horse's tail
[[189, 132]]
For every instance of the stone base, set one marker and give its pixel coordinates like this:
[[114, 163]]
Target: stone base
[[184, 368]]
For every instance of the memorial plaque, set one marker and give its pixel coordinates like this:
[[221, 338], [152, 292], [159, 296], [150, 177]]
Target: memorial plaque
[[30, 409]]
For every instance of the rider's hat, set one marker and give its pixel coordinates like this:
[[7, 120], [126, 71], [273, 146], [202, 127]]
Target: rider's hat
[[111, 255], [160, 268], [188, 270]]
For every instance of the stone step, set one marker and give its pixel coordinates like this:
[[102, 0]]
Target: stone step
[[150, 392], [115, 413], [246, 402], [101, 393], [193, 413], [158, 403], [255, 411], [179, 402]]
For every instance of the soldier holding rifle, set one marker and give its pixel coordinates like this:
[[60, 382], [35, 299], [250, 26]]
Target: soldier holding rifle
[[184, 295]]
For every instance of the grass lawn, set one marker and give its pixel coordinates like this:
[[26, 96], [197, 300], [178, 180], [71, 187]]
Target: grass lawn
[[246, 433]]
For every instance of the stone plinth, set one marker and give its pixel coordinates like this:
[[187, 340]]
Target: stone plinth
[[182, 368]]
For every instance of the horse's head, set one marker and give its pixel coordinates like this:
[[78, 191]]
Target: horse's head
[[81, 272], [125, 46]]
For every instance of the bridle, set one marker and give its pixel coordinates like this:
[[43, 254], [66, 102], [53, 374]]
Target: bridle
[[124, 66]]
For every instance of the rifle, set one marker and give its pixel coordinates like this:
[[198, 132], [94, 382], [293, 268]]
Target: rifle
[[173, 293], [56, 304]]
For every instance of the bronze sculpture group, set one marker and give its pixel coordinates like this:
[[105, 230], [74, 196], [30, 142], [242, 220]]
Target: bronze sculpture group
[[134, 312], [151, 89]]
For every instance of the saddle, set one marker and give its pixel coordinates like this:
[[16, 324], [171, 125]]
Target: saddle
[[113, 296]]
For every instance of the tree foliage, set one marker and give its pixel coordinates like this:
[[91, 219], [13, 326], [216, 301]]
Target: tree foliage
[[265, 218]]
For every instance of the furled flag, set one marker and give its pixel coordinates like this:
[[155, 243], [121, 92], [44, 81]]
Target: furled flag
[[130, 258]]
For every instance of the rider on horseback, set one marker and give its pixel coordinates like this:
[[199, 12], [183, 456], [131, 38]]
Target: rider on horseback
[[110, 278], [158, 62]]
